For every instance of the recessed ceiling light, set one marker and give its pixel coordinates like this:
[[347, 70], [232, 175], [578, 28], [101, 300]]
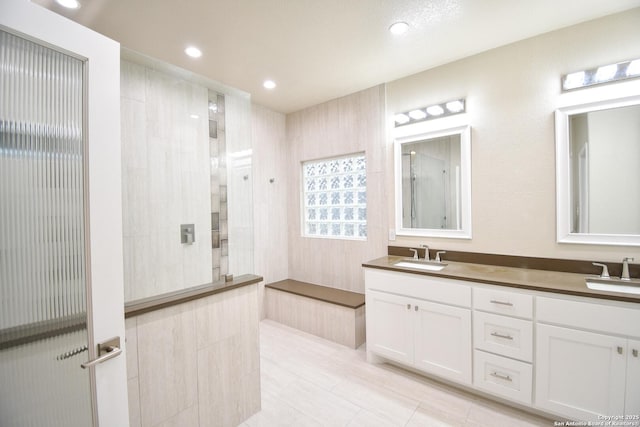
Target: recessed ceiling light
[[193, 52], [399, 28], [269, 84], [69, 4], [194, 116]]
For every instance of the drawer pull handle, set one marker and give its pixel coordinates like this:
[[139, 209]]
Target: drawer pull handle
[[493, 301], [498, 335], [501, 376]]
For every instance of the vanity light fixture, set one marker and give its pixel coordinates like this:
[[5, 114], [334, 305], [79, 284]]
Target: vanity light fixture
[[193, 52], [399, 28], [435, 111], [603, 74], [69, 4]]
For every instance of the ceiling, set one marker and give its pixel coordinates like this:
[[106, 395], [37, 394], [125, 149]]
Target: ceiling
[[317, 50]]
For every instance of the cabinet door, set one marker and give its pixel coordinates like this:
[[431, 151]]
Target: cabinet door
[[389, 326], [632, 401], [579, 374], [442, 340]]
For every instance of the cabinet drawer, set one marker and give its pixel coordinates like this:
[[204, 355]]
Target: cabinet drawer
[[503, 302], [503, 335], [504, 377], [602, 316]]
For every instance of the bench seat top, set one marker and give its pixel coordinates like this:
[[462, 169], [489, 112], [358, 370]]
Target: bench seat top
[[323, 293]]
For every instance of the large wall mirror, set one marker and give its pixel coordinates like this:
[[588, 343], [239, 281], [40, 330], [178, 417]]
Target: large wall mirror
[[598, 173], [433, 183]]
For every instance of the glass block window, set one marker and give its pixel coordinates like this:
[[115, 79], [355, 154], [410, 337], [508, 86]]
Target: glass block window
[[335, 197]]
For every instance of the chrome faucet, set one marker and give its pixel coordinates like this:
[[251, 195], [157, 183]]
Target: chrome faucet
[[426, 251], [438, 258], [605, 270], [625, 269], [415, 253]]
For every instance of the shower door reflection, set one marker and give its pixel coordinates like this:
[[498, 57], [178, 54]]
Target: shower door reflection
[[431, 184]]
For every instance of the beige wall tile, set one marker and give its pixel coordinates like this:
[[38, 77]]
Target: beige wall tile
[[347, 125], [167, 368]]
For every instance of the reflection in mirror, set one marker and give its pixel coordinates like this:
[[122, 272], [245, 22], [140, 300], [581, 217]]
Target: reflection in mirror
[[599, 173], [432, 184]]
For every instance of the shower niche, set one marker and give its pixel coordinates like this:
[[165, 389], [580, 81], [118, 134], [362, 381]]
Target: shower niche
[[433, 183]]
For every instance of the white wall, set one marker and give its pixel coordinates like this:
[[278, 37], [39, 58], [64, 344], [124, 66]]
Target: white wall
[[511, 95], [165, 181]]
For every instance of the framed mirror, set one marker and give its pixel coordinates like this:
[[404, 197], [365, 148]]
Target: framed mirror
[[598, 173], [433, 183]]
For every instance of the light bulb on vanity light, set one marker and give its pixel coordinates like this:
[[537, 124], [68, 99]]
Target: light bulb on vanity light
[[633, 69], [401, 119], [417, 114], [606, 72], [435, 110], [69, 4]]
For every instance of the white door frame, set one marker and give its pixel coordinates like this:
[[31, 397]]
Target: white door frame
[[105, 317]]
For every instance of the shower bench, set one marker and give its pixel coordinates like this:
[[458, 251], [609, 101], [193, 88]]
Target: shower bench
[[335, 314]]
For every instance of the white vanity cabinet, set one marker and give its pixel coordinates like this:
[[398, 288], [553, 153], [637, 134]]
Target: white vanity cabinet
[[413, 320], [568, 356], [587, 361]]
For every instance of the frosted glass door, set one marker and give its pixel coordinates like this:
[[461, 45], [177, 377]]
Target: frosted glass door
[[43, 334]]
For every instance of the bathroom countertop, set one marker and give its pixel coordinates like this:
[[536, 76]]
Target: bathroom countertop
[[538, 280]]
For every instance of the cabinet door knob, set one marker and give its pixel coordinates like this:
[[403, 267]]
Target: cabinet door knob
[[408, 306], [634, 352], [619, 350], [416, 308]]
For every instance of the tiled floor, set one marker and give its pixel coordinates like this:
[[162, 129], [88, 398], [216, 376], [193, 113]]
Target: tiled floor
[[309, 381]]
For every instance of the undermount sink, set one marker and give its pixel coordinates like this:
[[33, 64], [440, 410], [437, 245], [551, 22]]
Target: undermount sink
[[421, 264], [614, 285]]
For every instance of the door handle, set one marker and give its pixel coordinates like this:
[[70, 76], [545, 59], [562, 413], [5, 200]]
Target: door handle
[[106, 350]]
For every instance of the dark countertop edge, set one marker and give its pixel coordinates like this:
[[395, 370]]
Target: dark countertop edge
[[384, 263], [326, 294], [146, 305]]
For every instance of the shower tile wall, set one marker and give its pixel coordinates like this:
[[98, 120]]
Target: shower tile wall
[[165, 181], [219, 210]]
